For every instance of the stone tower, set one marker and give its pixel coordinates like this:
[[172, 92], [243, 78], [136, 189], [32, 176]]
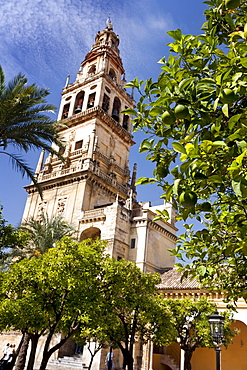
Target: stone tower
[[92, 189]]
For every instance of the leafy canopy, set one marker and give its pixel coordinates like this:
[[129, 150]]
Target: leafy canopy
[[195, 118]]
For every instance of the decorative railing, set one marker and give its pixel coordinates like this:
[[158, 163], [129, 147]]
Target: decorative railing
[[109, 178]]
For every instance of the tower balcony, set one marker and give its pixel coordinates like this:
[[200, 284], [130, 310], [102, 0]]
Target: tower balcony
[[81, 169]]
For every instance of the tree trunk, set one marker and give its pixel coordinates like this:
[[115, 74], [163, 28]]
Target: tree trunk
[[93, 354], [44, 361], [90, 362], [22, 352], [187, 359], [48, 352], [128, 359], [34, 343]]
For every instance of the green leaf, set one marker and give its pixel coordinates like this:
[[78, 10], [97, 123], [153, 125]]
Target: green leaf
[[236, 185], [218, 143], [176, 186], [201, 270], [225, 110], [243, 61], [145, 180], [177, 34], [216, 179], [129, 111], [179, 148], [234, 119], [156, 111]]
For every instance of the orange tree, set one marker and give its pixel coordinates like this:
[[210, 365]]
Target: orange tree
[[195, 118], [51, 294]]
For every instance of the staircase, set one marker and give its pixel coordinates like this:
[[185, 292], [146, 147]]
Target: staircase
[[169, 361], [67, 363]]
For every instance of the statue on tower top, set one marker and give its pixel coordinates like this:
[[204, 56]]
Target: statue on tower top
[[109, 24]]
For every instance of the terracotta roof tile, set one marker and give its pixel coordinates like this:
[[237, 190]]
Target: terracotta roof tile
[[171, 279]]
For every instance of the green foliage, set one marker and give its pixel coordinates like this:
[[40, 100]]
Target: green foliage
[[189, 323], [129, 308], [52, 293], [24, 123], [202, 155]]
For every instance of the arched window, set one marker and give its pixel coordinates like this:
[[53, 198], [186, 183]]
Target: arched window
[[79, 102], [91, 232], [112, 74], [92, 70], [65, 111], [116, 109]]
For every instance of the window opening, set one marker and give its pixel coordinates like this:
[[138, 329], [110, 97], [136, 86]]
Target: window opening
[[79, 102], [132, 244], [92, 70], [116, 109], [91, 100], [78, 144], [106, 102], [65, 111], [125, 121], [112, 74]]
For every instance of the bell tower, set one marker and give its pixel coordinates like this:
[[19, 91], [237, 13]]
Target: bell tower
[[98, 138], [92, 188]]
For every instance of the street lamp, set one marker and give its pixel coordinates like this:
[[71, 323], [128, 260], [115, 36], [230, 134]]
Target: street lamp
[[217, 332]]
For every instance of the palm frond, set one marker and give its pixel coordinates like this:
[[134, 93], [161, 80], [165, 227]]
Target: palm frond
[[24, 122], [45, 232], [23, 168]]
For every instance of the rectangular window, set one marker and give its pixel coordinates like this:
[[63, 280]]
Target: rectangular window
[[91, 100], [132, 244], [78, 144]]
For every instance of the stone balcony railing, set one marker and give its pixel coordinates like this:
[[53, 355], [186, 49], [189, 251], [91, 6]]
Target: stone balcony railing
[[109, 178]]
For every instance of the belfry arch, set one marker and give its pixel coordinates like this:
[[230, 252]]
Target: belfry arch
[[91, 232]]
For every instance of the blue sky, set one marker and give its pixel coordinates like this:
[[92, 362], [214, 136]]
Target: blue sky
[[48, 39]]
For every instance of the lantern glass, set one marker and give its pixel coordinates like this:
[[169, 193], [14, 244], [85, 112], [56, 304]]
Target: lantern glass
[[217, 327]]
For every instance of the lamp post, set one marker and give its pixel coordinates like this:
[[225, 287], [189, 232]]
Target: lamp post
[[217, 332]]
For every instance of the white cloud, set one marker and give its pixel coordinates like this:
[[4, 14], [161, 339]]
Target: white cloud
[[48, 39]]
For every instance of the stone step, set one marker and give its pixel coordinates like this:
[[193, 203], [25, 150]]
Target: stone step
[[68, 361]]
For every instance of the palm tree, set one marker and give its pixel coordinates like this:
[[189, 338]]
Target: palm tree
[[43, 234], [24, 123]]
